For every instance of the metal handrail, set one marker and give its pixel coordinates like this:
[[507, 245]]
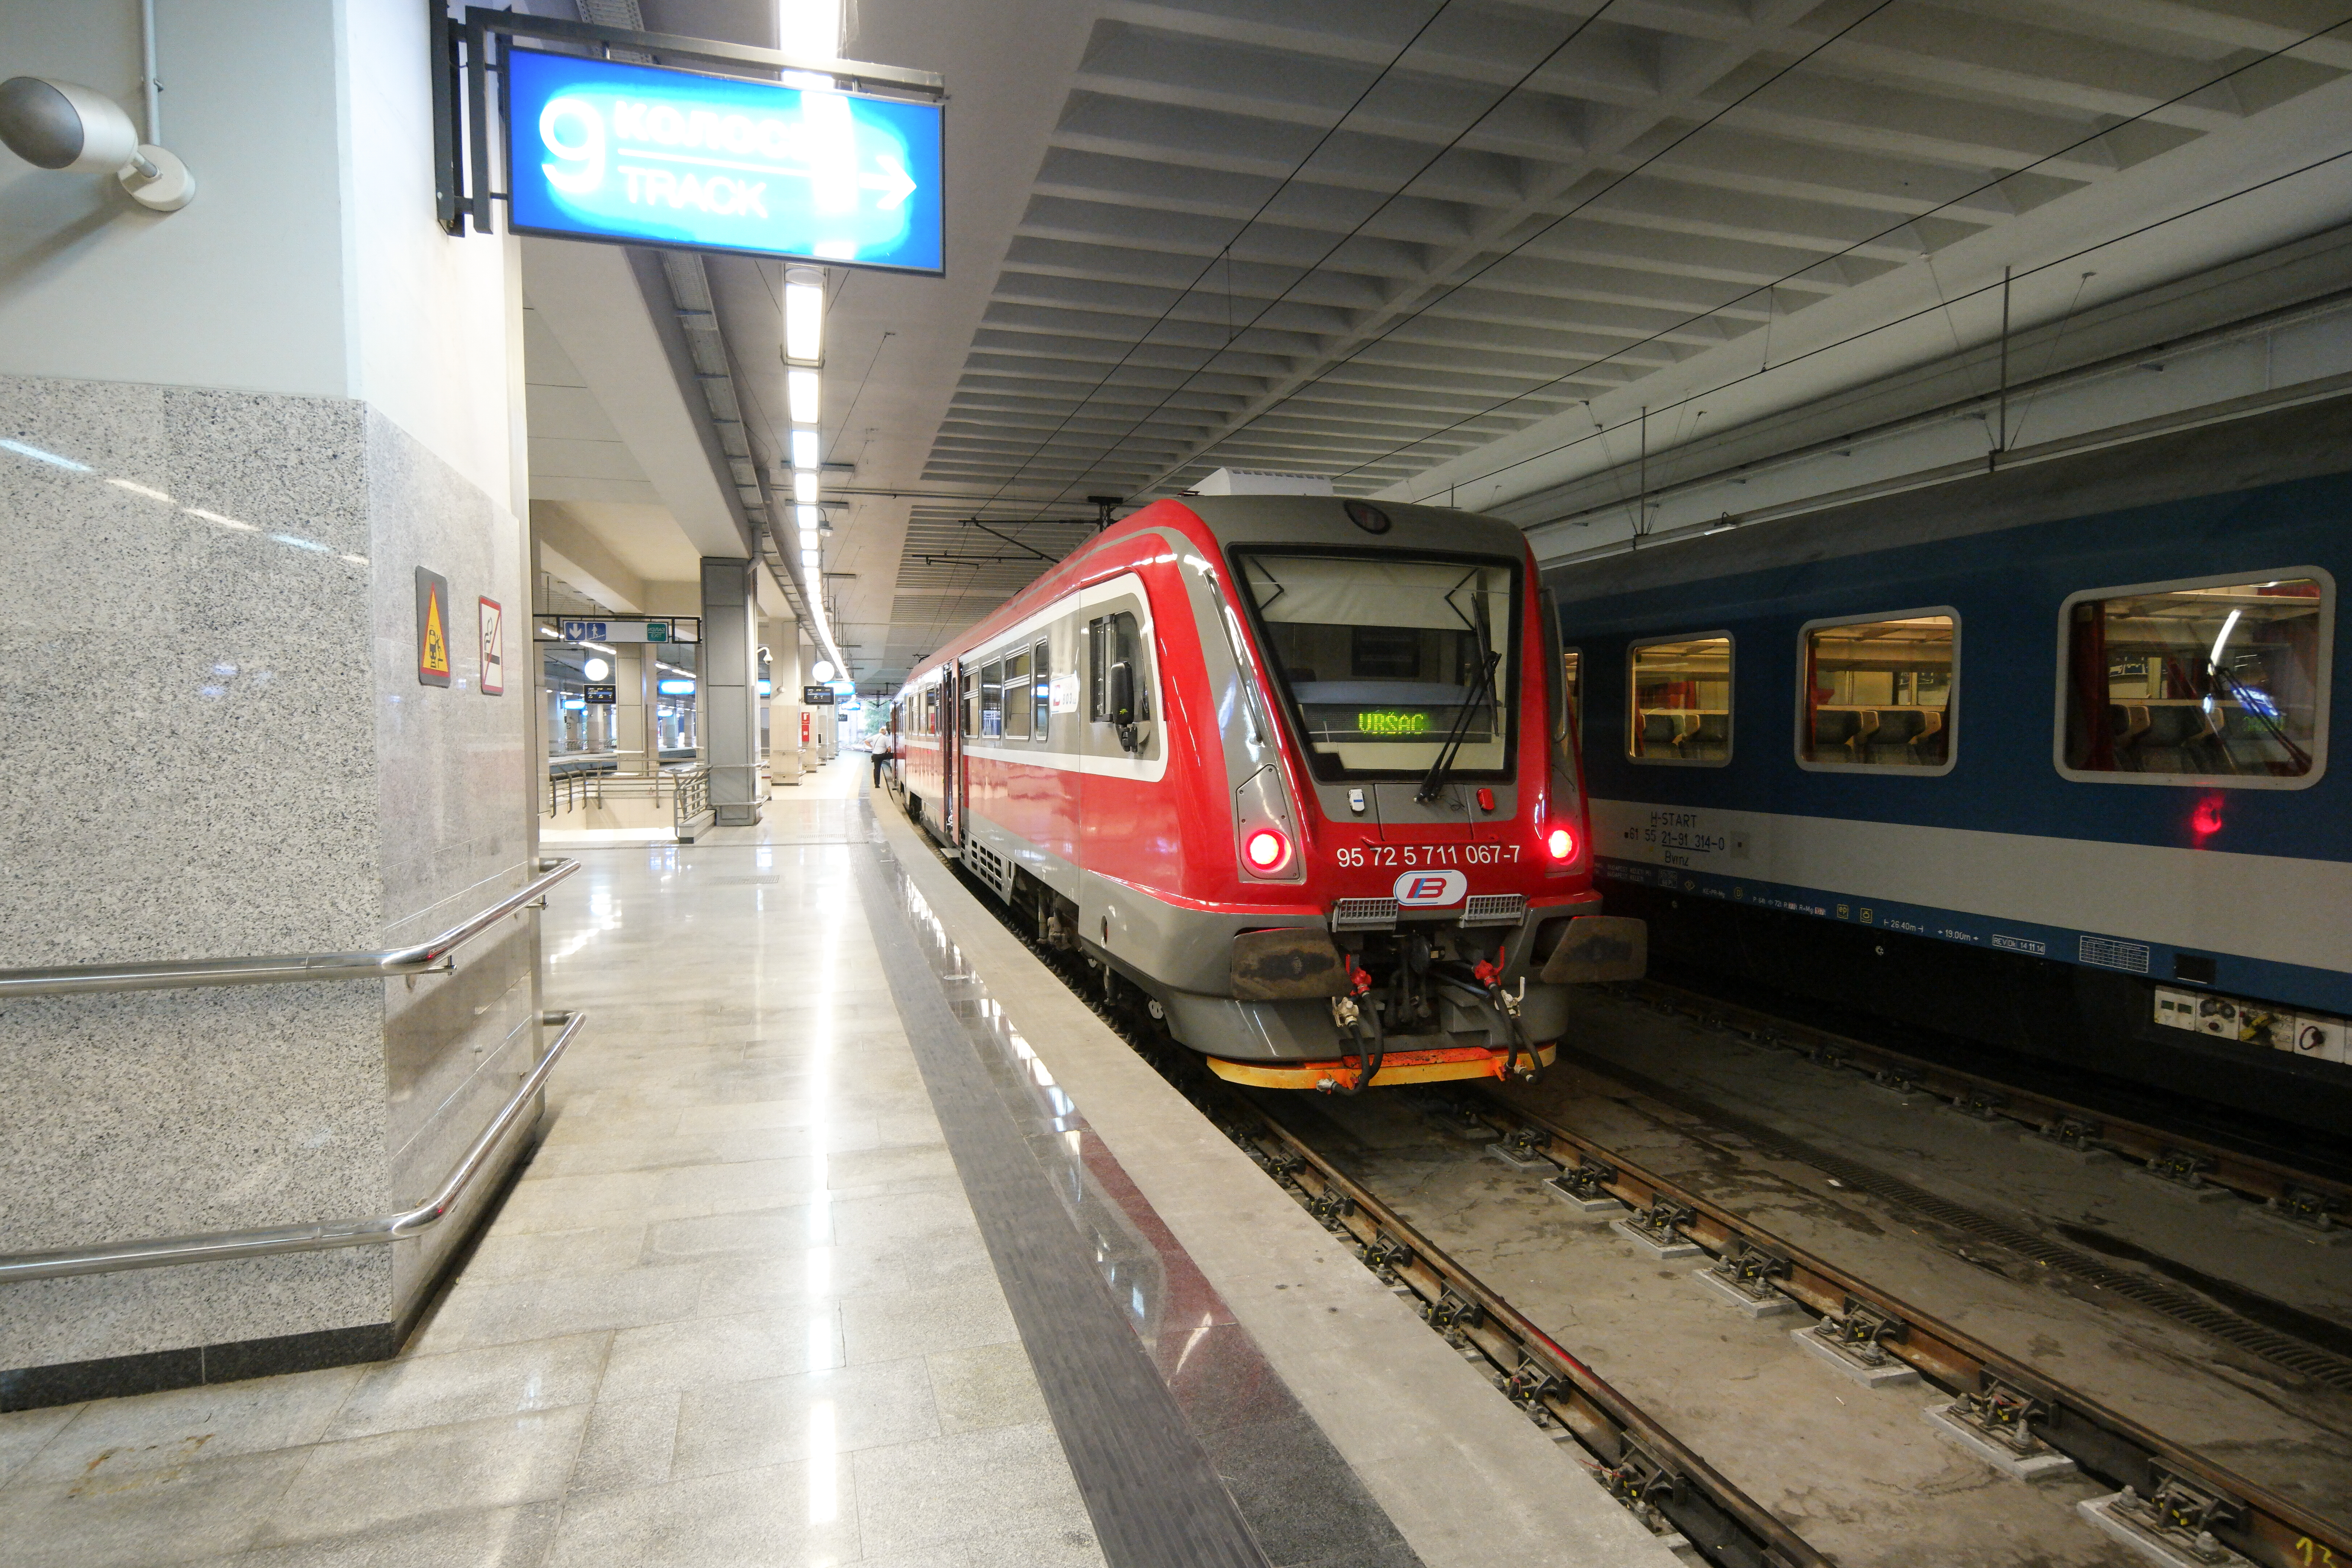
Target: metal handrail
[[424, 957], [164, 1252], [690, 798]]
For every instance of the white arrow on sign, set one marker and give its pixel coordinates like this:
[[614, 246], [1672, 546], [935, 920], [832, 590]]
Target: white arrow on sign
[[890, 178], [893, 181]]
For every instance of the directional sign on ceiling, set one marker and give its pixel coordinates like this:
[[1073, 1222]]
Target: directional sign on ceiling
[[604, 149]]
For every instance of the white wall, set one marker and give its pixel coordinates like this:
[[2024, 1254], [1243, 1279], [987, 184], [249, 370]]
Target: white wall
[[242, 290], [458, 387], [310, 262]]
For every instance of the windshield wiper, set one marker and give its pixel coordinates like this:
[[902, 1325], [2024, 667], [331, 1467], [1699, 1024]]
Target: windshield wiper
[[1434, 780]]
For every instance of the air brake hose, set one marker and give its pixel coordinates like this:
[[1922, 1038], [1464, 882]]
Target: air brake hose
[[1368, 1061], [1490, 975]]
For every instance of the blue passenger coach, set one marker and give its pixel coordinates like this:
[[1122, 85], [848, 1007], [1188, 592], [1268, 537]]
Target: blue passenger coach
[[2039, 761]]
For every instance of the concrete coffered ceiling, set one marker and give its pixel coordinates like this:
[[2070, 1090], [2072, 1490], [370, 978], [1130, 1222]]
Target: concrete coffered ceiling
[[1428, 247]]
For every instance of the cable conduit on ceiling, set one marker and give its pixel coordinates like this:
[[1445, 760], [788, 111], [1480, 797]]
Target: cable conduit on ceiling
[[714, 370]]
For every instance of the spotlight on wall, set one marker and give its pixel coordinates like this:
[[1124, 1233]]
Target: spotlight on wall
[[76, 131]]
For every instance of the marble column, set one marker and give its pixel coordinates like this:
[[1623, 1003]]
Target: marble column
[[785, 702], [214, 509], [635, 736], [728, 694]]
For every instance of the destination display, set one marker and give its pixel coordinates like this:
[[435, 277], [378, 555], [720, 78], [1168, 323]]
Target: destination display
[[1393, 723], [607, 150]]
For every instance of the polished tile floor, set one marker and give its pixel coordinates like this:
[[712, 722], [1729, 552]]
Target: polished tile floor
[[736, 1311]]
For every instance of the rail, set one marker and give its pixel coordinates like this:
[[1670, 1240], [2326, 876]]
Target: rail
[[424, 958], [689, 798], [164, 1252], [1641, 1464], [2321, 1201], [2270, 1528]]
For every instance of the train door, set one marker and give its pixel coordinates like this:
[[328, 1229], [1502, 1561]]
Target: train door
[[951, 741]]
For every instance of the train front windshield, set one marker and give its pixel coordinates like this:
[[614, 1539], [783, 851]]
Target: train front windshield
[[1385, 660]]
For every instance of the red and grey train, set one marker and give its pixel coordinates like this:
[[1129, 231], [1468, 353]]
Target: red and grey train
[[1299, 769]]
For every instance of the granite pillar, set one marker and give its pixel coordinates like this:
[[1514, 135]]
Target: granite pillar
[[213, 517], [785, 702], [728, 690]]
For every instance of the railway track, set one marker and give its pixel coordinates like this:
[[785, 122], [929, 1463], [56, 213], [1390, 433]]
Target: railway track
[[2005, 1399], [2171, 1503], [2321, 1202], [2297, 1355]]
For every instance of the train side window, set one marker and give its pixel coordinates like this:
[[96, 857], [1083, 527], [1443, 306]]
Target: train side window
[[1041, 691], [1571, 671], [1679, 707], [2222, 680], [991, 701], [1110, 640], [971, 703], [1879, 693], [1015, 723]]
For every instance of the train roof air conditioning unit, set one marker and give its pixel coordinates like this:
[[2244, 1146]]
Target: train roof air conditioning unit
[[1258, 482]]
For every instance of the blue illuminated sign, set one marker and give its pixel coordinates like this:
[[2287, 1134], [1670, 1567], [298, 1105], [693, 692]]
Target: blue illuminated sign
[[667, 687], [604, 150]]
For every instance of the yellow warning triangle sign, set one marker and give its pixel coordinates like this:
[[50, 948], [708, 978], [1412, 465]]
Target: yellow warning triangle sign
[[435, 656]]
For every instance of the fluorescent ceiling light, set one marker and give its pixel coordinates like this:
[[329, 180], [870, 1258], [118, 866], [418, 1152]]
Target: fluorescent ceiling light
[[804, 482], [809, 27], [803, 448], [804, 319], [808, 517], [808, 540], [801, 392]]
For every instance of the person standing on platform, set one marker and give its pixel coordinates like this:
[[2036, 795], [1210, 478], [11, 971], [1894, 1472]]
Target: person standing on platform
[[879, 743]]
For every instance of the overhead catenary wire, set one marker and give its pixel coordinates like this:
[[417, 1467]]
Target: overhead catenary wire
[[1453, 288], [1190, 288], [1770, 288], [1904, 320], [1313, 268]]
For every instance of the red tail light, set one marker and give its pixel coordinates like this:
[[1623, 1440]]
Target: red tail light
[[1562, 843], [1265, 850]]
